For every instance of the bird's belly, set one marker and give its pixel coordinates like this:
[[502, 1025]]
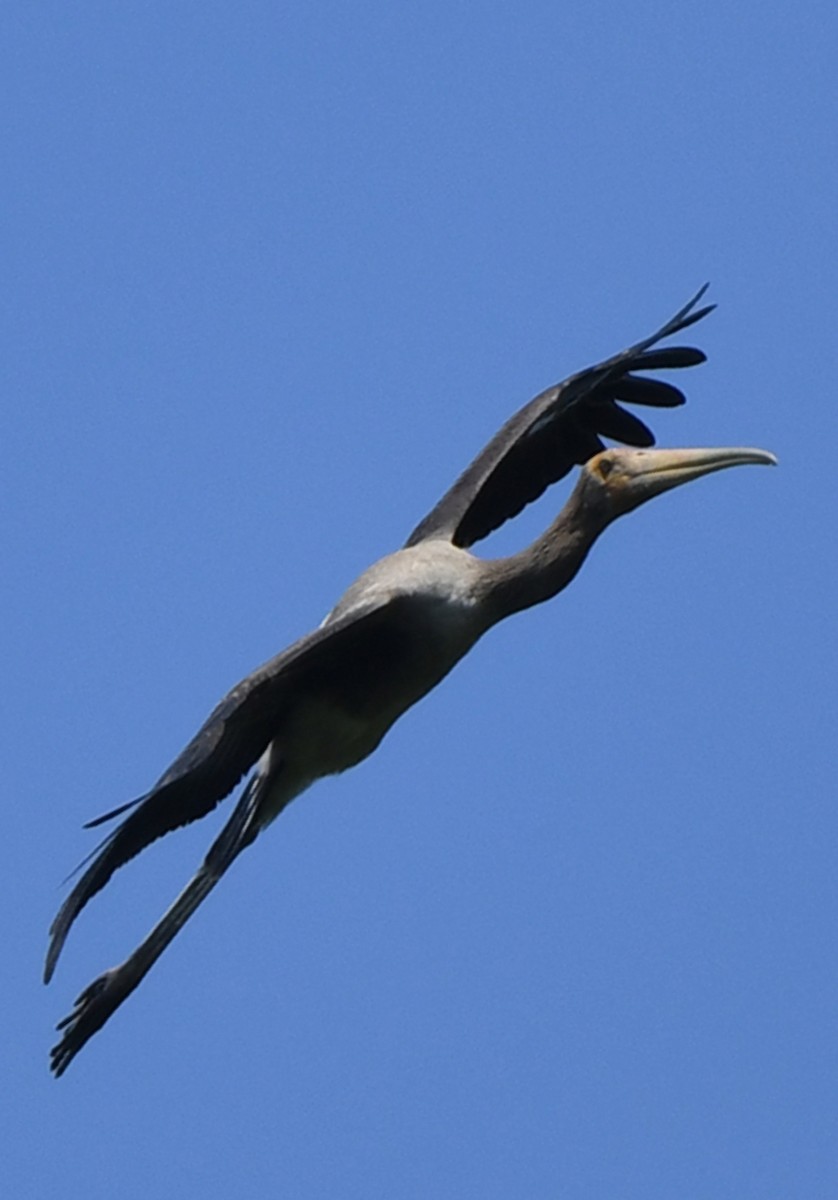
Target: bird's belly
[[340, 722], [344, 705], [323, 738]]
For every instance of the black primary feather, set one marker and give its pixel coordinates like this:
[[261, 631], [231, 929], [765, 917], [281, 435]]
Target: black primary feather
[[559, 429]]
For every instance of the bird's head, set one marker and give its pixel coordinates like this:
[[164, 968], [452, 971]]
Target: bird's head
[[619, 480]]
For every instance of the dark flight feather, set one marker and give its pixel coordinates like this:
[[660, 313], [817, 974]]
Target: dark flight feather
[[559, 429], [226, 746]]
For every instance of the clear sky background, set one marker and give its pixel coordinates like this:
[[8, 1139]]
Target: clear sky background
[[271, 275]]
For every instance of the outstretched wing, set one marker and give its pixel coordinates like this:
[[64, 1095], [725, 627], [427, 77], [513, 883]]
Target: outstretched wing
[[225, 747], [560, 428]]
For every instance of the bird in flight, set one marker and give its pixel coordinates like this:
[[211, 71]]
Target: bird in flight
[[325, 703]]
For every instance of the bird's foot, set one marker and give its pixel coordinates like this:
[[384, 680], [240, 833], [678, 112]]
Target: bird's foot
[[91, 1011]]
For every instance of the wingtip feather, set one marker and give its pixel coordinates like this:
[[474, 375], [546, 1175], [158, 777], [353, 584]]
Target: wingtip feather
[[114, 812]]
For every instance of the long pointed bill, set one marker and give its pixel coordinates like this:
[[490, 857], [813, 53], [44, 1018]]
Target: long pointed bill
[[638, 475], [680, 466]]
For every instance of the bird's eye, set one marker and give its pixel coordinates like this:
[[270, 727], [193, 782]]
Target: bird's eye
[[605, 467]]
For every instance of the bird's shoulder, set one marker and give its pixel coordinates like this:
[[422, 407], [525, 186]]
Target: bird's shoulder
[[431, 576]]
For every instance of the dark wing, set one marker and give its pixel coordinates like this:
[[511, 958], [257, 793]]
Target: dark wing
[[557, 430], [226, 746]]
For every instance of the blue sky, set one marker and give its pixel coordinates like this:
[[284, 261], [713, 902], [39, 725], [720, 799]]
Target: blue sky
[[272, 274]]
